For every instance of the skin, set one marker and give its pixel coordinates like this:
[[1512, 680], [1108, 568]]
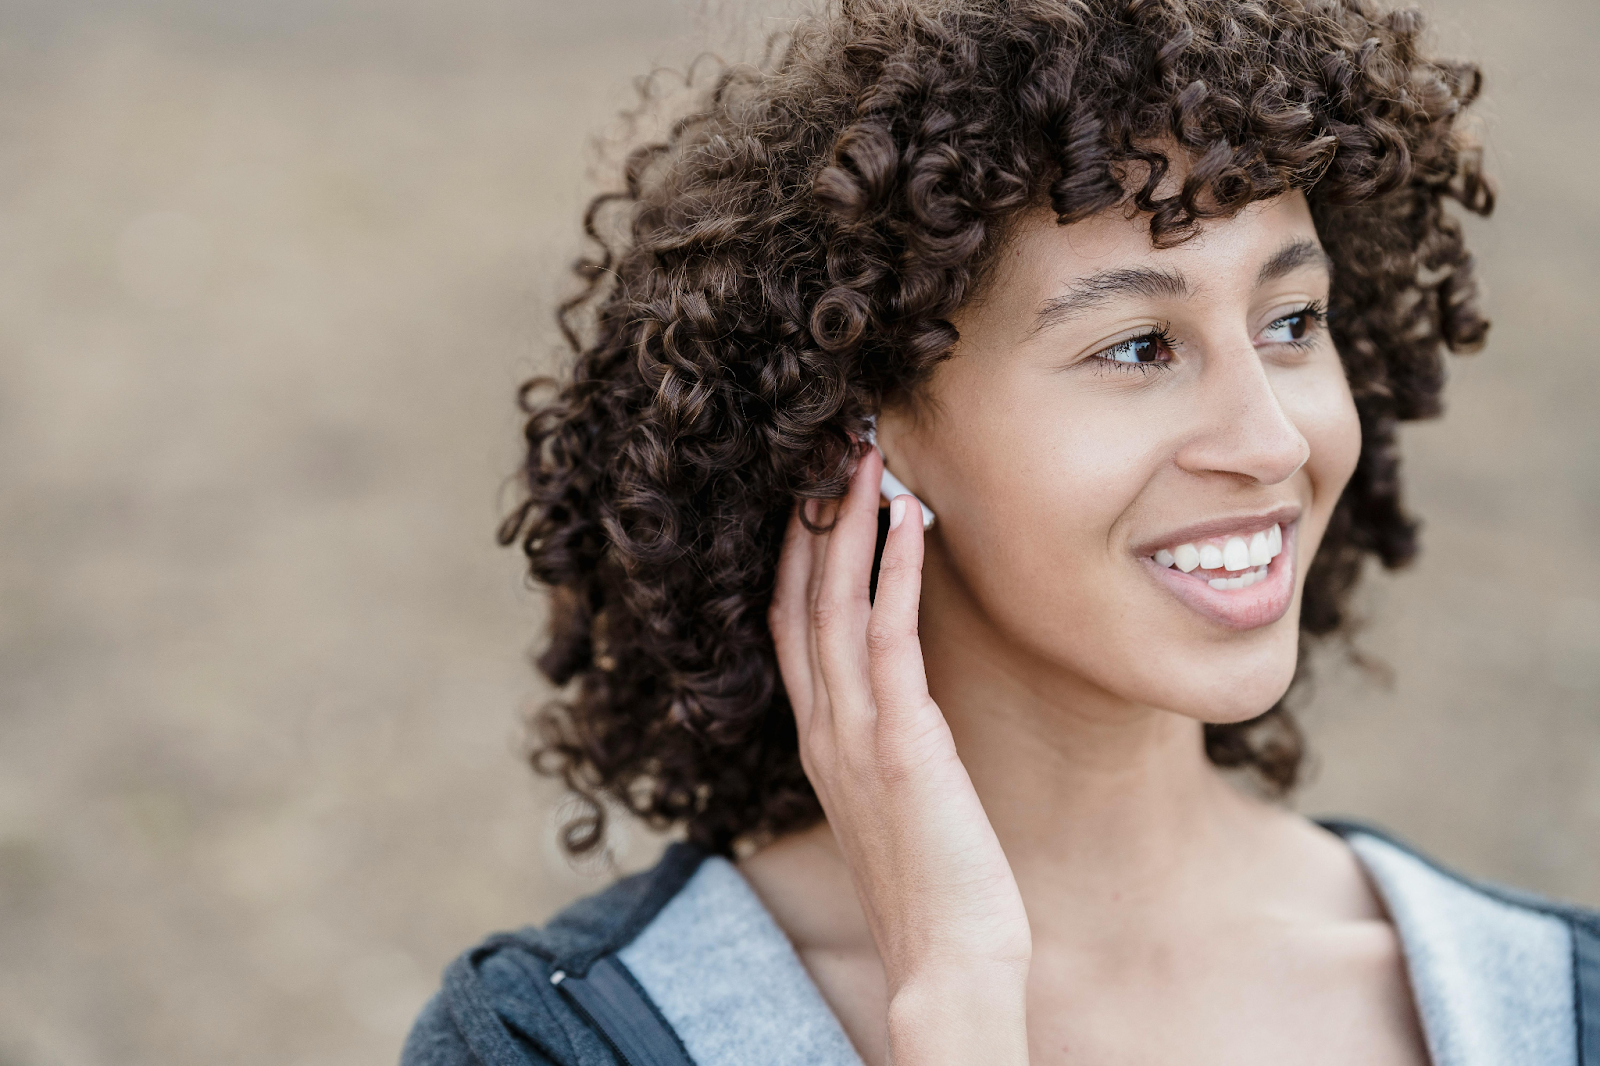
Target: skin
[[1027, 857]]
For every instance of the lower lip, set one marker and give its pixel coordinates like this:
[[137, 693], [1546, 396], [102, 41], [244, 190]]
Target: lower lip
[[1259, 605]]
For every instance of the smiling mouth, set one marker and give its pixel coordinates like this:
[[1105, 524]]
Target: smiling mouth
[[1226, 563], [1240, 579]]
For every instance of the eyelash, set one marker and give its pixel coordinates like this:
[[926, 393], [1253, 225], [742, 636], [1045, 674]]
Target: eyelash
[[1315, 311], [1161, 335]]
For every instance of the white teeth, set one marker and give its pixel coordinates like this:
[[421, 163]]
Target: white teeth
[[1243, 581], [1260, 553], [1236, 554]]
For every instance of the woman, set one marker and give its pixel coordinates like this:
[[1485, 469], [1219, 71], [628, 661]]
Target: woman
[[1129, 297]]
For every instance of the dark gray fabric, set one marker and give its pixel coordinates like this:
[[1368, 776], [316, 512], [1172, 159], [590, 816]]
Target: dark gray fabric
[[614, 1003], [1586, 967], [434, 1038], [498, 1006]]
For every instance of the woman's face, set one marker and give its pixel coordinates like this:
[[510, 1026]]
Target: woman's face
[[1133, 454]]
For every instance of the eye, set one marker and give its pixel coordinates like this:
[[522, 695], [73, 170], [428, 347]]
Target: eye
[[1151, 350], [1294, 328]]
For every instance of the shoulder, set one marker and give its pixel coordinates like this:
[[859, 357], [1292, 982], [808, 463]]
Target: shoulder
[[682, 964], [498, 1005], [1395, 862], [1498, 974]]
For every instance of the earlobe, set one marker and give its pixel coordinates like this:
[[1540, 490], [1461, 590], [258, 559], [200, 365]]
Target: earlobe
[[891, 486]]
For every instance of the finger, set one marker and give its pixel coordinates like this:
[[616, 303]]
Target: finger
[[790, 618], [843, 605], [822, 513], [899, 680]]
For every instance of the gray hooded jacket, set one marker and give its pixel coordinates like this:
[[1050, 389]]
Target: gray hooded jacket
[[683, 966]]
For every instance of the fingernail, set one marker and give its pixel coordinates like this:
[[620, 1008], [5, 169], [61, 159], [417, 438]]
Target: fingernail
[[897, 511]]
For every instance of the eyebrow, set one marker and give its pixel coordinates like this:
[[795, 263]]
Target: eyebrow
[[1292, 257], [1108, 285], [1098, 289]]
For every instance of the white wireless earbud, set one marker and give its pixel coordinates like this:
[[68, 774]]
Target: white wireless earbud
[[892, 486]]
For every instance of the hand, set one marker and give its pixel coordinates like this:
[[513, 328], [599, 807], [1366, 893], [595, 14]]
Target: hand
[[938, 892]]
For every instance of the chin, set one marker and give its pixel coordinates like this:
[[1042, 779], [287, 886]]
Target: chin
[[1236, 691], [1227, 712], [1217, 682]]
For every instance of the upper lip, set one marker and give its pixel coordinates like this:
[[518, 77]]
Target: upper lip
[[1236, 525]]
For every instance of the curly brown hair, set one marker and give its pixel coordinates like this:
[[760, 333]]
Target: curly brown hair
[[789, 257]]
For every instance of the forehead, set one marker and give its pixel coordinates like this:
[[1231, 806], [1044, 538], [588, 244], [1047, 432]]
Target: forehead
[[1040, 258]]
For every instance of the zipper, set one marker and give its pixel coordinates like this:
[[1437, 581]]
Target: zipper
[[617, 1008]]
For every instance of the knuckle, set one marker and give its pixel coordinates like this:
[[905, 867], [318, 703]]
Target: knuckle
[[897, 566], [907, 747], [916, 725], [890, 765], [816, 755], [885, 632], [827, 613], [883, 638], [891, 563]]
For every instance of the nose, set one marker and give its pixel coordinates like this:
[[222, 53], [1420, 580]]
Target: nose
[[1240, 427]]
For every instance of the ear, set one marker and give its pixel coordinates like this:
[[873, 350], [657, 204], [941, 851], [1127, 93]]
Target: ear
[[891, 486]]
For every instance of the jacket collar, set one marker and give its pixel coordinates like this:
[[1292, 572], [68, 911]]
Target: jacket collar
[[1493, 978], [726, 978]]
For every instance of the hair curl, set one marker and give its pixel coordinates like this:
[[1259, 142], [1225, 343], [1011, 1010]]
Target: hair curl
[[789, 256]]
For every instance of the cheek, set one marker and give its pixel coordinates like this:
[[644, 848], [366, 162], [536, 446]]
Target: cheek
[[1325, 413], [1091, 470], [1056, 480], [1033, 533]]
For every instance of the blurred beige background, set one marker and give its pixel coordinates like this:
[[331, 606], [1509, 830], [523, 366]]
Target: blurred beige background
[[268, 276]]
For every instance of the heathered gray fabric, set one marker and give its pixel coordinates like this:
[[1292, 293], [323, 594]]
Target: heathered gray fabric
[[1493, 981], [724, 975]]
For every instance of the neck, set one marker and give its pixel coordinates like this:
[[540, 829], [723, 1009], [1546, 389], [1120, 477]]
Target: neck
[[1095, 799]]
